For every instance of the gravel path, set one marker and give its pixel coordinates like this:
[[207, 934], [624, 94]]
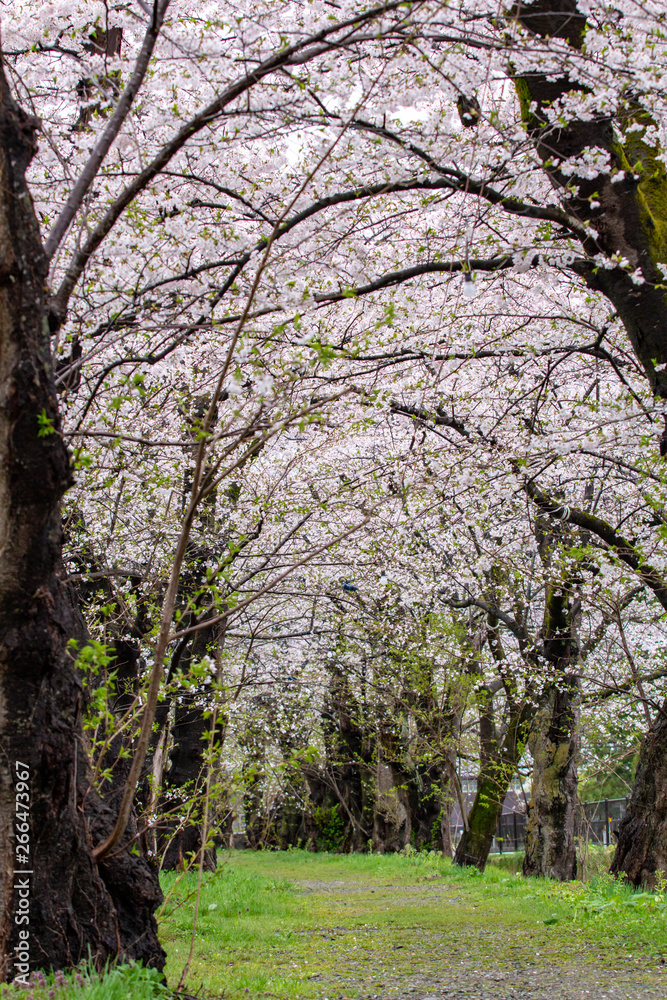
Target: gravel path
[[468, 959]]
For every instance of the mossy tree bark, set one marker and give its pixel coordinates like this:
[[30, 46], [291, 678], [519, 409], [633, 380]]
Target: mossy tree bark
[[500, 749], [493, 784], [77, 907], [500, 756], [553, 742], [643, 834], [554, 738]]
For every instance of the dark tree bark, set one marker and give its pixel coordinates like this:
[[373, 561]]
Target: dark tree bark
[[348, 761], [425, 801], [322, 800], [184, 781], [126, 663], [412, 779], [256, 826], [184, 777], [76, 905], [554, 739], [433, 751], [642, 836], [305, 806]]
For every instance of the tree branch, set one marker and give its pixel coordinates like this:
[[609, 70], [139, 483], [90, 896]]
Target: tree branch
[[290, 55], [617, 543], [89, 172], [517, 631], [624, 549], [456, 180]]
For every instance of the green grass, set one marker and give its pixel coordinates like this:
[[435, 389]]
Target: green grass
[[260, 936], [125, 982], [245, 917]]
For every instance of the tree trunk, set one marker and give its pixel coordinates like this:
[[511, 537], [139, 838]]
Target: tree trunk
[[393, 772], [253, 804], [426, 808], [392, 824], [553, 743], [60, 905], [348, 761], [447, 844], [433, 751], [475, 843], [642, 836], [185, 777], [183, 786], [499, 762], [115, 761]]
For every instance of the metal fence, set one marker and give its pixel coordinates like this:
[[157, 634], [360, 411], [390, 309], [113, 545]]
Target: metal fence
[[595, 822], [598, 822]]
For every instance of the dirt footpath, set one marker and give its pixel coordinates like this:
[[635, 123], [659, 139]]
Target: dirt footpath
[[437, 942]]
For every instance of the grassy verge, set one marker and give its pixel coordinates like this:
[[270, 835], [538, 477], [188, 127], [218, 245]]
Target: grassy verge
[[126, 982]]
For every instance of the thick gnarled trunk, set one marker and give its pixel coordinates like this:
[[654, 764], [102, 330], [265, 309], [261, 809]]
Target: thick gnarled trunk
[[392, 820], [550, 847], [642, 836], [74, 906]]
